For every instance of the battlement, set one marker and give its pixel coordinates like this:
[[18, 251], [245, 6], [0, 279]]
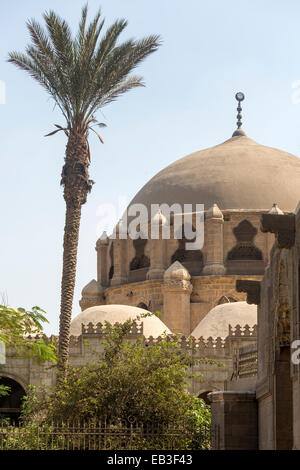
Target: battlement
[[242, 332], [98, 330], [53, 339], [191, 342]]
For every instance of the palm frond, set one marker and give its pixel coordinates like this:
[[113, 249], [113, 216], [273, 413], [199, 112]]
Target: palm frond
[[81, 30], [86, 72], [24, 62], [126, 85], [61, 37]]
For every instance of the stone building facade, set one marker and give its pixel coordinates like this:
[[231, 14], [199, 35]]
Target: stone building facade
[[238, 182], [264, 410], [278, 380], [233, 247], [19, 373]]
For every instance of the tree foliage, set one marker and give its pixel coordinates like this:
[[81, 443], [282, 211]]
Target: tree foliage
[[16, 328], [127, 380]]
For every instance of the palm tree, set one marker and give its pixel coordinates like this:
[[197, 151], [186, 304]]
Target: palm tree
[[82, 74]]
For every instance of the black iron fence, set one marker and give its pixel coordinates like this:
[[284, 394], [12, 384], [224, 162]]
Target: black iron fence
[[103, 435]]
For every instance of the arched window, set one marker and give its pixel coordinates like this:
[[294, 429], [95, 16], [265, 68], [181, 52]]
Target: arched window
[[244, 248], [140, 260], [10, 404]]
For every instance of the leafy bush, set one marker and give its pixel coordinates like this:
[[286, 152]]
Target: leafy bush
[[127, 381]]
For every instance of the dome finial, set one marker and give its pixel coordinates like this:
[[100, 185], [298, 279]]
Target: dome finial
[[239, 132]]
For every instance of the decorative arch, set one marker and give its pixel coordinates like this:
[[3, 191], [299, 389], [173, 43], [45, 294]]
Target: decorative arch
[[143, 305], [244, 248], [226, 299], [204, 396], [231, 295], [140, 260], [16, 378], [203, 393]]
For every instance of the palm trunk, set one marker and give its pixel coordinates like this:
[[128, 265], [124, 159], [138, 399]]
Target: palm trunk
[[71, 237], [75, 179]]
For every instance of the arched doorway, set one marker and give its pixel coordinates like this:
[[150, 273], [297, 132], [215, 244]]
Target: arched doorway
[[204, 396], [10, 405]]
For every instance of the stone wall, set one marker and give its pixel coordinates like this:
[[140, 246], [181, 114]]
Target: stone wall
[[209, 291], [234, 420], [278, 388], [26, 371]]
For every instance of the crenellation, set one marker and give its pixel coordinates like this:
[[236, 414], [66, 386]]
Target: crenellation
[[239, 331]]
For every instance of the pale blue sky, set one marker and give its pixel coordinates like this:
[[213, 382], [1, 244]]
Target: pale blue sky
[[211, 49]]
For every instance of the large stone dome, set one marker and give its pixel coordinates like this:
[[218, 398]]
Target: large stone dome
[[237, 174], [152, 326]]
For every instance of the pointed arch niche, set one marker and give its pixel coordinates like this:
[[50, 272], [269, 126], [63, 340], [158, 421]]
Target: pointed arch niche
[[245, 257]]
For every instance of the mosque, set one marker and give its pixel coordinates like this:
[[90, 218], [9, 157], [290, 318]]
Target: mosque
[[239, 181]]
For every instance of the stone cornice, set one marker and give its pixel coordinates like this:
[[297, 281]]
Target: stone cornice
[[283, 226], [252, 288], [236, 396], [137, 285], [177, 285], [263, 388]]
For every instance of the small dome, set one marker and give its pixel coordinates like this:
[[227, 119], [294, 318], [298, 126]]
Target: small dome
[[177, 272], [92, 289], [102, 240], [275, 210], [152, 326], [214, 213], [216, 322]]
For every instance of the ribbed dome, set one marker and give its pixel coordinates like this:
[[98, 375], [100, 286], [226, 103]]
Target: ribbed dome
[[152, 326], [237, 174], [216, 322]]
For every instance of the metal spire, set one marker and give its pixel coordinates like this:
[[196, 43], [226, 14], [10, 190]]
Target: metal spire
[[239, 97]]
